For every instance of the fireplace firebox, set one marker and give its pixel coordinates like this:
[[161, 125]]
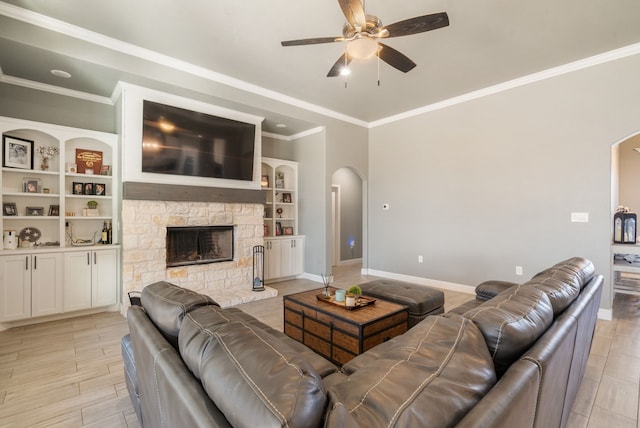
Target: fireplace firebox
[[194, 245]]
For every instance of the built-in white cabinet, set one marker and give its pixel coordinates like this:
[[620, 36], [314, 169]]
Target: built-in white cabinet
[[284, 247], [284, 257], [51, 176], [91, 279], [31, 285]]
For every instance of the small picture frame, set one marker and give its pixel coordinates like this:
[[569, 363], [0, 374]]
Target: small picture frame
[[287, 230], [31, 185], [105, 170], [71, 168], [9, 209], [286, 198], [17, 152], [278, 228], [265, 181], [266, 229], [34, 211], [54, 210], [100, 189], [89, 189], [279, 180], [77, 188]]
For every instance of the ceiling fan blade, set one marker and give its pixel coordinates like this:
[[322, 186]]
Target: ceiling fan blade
[[343, 61], [354, 12], [313, 41], [419, 24], [395, 58]]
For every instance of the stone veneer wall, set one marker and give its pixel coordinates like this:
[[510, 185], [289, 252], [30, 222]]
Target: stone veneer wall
[[144, 232]]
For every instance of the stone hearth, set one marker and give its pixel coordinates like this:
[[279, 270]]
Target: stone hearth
[[144, 226]]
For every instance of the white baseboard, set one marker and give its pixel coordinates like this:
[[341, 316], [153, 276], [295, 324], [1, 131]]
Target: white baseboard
[[605, 314], [460, 288], [349, 262]]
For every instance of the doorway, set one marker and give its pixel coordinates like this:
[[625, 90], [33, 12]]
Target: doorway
[[347, 217]]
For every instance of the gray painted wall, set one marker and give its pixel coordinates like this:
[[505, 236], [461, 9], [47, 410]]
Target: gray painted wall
[[29, 104], [483, 186], [351, 213]]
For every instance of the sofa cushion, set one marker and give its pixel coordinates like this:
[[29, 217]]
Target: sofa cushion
[[563, 282], [582, 269], [511, 322], [254, 378], [490, 289], [166, 304], [434, 375]]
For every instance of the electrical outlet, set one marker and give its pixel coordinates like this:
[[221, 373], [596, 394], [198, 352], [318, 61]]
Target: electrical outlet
[[518, 270], [420, 259]]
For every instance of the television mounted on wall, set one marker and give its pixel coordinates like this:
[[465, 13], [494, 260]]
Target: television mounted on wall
[[178, 141]]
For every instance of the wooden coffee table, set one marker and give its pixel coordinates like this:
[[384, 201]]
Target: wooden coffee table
[[337, 333]]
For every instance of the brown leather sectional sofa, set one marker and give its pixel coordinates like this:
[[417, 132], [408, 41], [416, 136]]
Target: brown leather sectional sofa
[[514, 356]]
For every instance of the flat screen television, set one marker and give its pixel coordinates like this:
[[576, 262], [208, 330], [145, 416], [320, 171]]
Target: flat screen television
[[184, 142]]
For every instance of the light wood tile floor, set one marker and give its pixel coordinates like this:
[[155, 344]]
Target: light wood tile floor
[[69, 373]]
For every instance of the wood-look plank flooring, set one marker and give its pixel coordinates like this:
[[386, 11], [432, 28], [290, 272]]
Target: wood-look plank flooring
[[69, 373]]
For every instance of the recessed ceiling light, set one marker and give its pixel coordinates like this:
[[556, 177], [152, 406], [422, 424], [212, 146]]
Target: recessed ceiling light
[[281, 125], [61, 73]]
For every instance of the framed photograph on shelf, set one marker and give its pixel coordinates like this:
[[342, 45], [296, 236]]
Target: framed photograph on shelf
[[17, 152], [278, 228], [89, 189], [100, 189], [9, 208], [31, 185], [105, 170], [265, 181], [35, 211], [287, 230], [279, 180], [71, 168], [77, 188], [286, 198], [54, 210]]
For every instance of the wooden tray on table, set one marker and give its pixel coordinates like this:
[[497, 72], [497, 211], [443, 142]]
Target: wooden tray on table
[[361, 303]]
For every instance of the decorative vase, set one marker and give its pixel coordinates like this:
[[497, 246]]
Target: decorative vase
[[44, 165]]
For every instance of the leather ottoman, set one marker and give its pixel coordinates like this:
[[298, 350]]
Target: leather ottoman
[[420, 300]]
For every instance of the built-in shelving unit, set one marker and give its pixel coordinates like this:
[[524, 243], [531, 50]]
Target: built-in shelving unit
[[284, 247], [50, 222]]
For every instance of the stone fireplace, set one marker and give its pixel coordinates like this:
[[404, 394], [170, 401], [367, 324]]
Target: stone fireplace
[[144, 251]]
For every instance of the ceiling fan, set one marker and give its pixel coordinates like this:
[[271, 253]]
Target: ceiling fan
[[362, 34]]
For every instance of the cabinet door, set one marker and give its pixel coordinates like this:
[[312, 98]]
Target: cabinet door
[[272, 259], [15, 287], [292, 257], [77, 283], [46, 284], [104, 290]]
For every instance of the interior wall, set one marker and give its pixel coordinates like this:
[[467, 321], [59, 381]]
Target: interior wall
[[350, 213], [29, 104], [481, 187]]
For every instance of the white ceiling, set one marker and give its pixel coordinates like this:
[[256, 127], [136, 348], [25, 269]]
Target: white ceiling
[[237, 43]]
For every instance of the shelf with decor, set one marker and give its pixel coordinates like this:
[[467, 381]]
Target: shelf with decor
[[40, 164], [284, 247]]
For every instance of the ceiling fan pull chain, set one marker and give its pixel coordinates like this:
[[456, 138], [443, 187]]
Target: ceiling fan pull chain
[[378, 61], [345, 66]]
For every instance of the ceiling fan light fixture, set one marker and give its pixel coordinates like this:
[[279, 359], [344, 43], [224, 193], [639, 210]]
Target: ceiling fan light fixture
[[362, 48], [345, 71]]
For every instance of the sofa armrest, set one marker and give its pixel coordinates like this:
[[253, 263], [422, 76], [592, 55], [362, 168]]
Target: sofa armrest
[[490, 289]]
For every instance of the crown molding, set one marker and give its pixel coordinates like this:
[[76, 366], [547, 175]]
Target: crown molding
[[592, 61], [98, 39], [80, 33], [293, 137]]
